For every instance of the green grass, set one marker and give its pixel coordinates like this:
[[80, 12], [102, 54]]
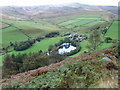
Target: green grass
[[12, 34], [81, 21], [62, 19], [93, 23], [42, 26], [105, 45], [113, 31], [30, 24], [33, 28], [1, 60], [90, 16], [83, 45], [0, 38], [43, 45]]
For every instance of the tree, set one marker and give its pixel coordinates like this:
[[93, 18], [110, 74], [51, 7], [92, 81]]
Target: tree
[[95, 40], [50, 48], [108, 39], [11, 44], [9, 67], [40, 51]]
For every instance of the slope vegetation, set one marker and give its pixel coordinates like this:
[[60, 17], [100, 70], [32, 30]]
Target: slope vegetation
[[89, 70]]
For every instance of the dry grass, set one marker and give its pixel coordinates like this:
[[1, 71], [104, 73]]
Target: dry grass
[[108, 83]]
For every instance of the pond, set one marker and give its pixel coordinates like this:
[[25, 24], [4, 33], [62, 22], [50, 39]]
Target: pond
[[65, 48]]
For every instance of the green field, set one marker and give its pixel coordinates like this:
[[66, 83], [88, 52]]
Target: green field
[[84, 47], [33, 28], [11, 34], [64, 24], [81, 22], [43, 45], [62, 19], [113, 31], [25, 29]]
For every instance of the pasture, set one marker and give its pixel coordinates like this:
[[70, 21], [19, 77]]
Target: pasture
[[20, 30], [113, 31], [33, 28], [80, 22], [12, 34], [42, 45], [64, 24]]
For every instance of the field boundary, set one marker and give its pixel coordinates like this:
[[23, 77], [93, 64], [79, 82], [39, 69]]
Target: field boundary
[[17, 29]]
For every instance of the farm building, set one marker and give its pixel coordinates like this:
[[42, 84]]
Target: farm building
[[79, 38]]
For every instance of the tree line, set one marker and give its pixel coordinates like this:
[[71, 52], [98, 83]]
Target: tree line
[[13, 64]]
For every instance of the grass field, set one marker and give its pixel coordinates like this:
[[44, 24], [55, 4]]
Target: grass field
[[11, 34], [41, 27], [113, 31], [84, 47], [33, 28], [62, 19], [43, 45], [81, 21]]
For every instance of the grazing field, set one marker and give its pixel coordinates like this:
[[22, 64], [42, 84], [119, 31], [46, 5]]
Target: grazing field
[[33, 28], [11, 34], [22, 30], [62, 19], [76, 20], [80, 22], [25, 29], [113, 31], [43, 45], [84, 48], [83, 45]]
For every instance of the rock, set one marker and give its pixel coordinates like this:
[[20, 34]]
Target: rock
[[106, 59], [114, 70]]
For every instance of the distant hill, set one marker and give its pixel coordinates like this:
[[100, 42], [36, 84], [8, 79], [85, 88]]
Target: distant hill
[[30, 12], [112, 9]]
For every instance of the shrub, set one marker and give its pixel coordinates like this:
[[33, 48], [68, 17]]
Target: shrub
[[74, 74], [52, 34], [23, 45]]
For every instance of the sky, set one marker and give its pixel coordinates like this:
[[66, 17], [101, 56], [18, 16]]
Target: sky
[[46, 2]]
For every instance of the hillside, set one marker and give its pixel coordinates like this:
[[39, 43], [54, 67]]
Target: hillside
[[68, 45], [49, 11], [104, 73]]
